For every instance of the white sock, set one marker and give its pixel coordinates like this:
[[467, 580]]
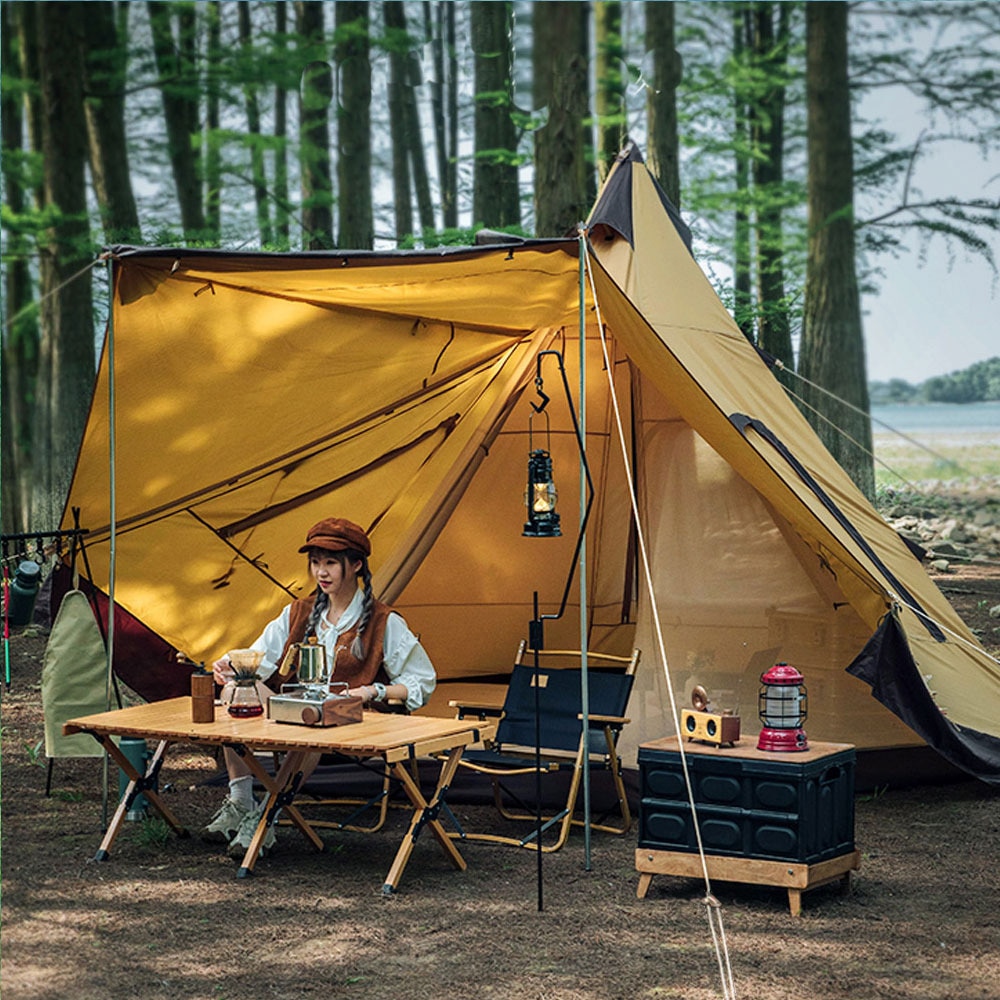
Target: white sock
[[241, 791]]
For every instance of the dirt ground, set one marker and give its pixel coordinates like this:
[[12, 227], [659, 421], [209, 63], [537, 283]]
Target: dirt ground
[[164, 917]]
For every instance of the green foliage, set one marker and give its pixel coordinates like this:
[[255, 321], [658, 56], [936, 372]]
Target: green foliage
[[941, 58], [501, 157], [976, 384], [979, 383], [34, 752], [896, 390], [153, 832]]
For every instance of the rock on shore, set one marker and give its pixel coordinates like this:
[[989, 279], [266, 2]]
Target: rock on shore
[[954, 522]]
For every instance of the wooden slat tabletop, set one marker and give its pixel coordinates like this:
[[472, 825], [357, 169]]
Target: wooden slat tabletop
[[389, 736]]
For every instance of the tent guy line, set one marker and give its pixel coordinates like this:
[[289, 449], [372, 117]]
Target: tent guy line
[[713, 909]]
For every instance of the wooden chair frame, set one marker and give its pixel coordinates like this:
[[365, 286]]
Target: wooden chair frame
[[379, 801], [565, 741]]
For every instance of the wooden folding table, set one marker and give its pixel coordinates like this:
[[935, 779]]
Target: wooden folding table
[[396, 739]]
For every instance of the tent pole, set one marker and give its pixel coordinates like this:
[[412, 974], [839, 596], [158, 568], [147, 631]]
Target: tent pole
[[584, 629], [112, 517]]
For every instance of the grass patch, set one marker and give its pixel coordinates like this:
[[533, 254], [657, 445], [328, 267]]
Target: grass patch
[[152, 832], [898, 462]]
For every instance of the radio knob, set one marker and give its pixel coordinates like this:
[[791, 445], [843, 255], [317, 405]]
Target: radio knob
[[311, 715]]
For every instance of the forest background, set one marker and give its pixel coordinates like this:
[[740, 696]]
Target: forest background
[[320, 125]]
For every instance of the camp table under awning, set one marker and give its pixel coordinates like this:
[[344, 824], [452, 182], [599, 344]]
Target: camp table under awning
[[396, 739]]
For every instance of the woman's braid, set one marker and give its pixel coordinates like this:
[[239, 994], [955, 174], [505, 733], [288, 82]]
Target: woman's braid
[[319, 606], [357, 647]]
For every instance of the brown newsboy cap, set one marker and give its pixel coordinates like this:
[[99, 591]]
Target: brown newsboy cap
[[337, 534]]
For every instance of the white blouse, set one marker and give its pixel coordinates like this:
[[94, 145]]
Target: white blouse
[[405, 660]]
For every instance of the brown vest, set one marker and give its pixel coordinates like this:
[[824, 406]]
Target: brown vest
[[346, 667]]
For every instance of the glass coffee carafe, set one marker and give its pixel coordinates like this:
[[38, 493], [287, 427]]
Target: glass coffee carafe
[[245, 701]]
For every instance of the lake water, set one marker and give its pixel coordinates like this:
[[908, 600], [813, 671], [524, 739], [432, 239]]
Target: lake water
[[937, 418]]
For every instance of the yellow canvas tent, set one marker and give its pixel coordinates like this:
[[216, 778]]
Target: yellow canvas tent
[[252, 394]]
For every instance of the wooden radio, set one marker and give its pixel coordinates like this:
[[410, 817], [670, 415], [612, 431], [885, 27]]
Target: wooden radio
[[717, 728]]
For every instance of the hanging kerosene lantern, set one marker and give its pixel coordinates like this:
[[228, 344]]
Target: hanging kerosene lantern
[[541, 495], [540, 498], [782, 705]]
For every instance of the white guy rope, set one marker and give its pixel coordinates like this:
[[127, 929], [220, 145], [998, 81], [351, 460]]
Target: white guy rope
[[712, 906]]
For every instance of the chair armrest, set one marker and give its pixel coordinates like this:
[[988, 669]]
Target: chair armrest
[[605, 720], [481, 709]]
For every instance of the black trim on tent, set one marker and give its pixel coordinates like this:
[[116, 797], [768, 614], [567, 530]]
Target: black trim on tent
[[345, 258], [741, 421], [915, 547], [614, 207], [887, 667]]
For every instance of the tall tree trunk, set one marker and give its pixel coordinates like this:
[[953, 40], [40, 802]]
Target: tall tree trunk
[[27, 27], [258, 175], [104, 80], [495, 195], [316, 92], [354, 139], [20, 325], [774, 333], [213, 133], [560, 82], [67, 363], [281, 202], [742, 245], [397, 45], [833, 353], [417, 150], [436, 31], [179, 89], [451, 116], [661, 102], [609, 97]]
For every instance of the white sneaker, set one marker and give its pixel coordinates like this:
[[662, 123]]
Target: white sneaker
[[247, 828], [224, 823]]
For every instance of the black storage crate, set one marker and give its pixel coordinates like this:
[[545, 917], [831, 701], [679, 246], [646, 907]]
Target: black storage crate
[[776, 808]]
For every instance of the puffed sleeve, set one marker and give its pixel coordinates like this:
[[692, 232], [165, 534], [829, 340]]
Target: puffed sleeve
[[271, 642], [407, 662]]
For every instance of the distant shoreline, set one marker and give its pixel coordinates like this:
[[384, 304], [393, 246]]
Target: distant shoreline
[[927, 420]]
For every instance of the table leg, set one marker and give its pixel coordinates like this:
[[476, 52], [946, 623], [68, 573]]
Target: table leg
[[138, 784], [285, 785], [280, 793], [424, 812], [644, 880]]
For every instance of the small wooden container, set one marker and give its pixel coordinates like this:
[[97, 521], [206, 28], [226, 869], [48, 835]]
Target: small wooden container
[[202, 698]]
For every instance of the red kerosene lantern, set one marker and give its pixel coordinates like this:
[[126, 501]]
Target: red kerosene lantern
[[781, 705]]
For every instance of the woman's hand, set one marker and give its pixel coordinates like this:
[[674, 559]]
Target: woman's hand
[[222, 671], [369, 693], [366, 692]]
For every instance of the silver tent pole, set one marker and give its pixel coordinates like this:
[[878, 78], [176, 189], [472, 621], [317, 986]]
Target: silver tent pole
[[112, 515], [584, 641]]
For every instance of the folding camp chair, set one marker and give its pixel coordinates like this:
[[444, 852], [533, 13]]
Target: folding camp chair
[[565, 743], [376, 801]]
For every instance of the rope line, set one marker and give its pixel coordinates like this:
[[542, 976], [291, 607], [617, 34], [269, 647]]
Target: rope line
[[779, 364], [857, 444], [920, 613], [37, 303], [715, 912]]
